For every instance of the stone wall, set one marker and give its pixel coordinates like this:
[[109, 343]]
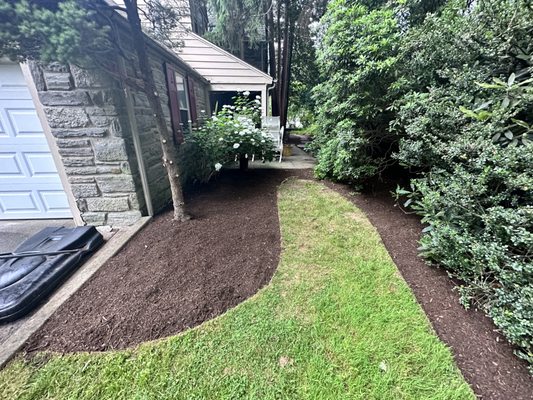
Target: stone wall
[[88, 120], [87, 115]]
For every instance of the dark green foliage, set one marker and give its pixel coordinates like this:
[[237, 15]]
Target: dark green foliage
[[450, 94], [62, 31], [358, 57]]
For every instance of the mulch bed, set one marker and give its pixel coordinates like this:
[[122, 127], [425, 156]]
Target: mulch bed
[[173, 276], [231, 248], [483, 355]]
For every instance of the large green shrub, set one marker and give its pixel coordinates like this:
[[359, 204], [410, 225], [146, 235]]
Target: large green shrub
[[358, 56], [457, 93]]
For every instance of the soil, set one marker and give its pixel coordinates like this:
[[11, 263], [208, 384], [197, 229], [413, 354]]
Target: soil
[[484, 356], [173, 276], [229, 250]]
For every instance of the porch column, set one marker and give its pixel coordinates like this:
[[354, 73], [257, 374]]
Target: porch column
[[264, 101]]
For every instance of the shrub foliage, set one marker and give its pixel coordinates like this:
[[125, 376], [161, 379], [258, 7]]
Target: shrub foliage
[[228, 135], [444, 89]]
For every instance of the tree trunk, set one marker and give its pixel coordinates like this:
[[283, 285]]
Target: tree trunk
[[284, 61], [272, 55], [278, 59], [169, 153], [286, 80]]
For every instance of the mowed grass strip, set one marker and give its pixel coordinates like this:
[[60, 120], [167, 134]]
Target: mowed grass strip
[[336, 322]]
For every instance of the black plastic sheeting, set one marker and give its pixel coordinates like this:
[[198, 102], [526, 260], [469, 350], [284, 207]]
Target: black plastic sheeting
[[27, 279]]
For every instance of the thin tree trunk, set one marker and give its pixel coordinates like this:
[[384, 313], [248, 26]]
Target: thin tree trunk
[[272, 56], [278, 59], [287, 76], [284, 61], [169, 154]]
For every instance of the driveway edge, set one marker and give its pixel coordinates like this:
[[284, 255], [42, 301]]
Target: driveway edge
[[67, 289]]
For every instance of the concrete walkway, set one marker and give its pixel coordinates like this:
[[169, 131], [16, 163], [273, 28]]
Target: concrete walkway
[[298, 160]]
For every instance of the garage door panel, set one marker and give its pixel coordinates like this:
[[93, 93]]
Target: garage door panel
[[10, 166], [30, 186], [18, 202], [24, 122], [40, 165], [54, 200]]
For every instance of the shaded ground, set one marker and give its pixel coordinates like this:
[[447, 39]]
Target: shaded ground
[[483, 355], [174, 276]]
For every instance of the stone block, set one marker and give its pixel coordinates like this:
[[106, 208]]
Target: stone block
[[115, 184], [114, 204], [65, 117], [108, 169], [123, 218], [77, 161], [80, 170], [62, 98], [78, 132], [108, 110], [68, 143], [110, 149], [102, 121], [81, 179], [55, 67], [84, 78], [76, 152], [57, 80], [94, 218], [84, 190]]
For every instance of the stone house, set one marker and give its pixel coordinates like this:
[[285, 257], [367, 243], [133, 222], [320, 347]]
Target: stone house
[[78, 143]]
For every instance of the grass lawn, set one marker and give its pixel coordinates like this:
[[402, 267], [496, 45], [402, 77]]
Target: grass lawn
[[336, 322]]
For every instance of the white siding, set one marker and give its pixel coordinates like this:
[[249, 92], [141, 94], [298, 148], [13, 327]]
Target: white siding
[[217, 65]]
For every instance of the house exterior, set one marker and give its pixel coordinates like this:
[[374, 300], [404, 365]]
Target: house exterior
[[226, 73], [78, 143]]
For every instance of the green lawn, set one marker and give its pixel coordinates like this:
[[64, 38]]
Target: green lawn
[[336, 322]]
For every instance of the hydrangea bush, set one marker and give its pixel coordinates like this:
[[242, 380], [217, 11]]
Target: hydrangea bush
[[230, 135]]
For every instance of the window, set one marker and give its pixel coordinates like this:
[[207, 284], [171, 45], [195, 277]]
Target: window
[[183, 100]]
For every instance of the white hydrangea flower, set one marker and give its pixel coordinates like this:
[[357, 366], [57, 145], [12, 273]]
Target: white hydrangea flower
[[242, 133], [220, 139], [247, 93], [236, 145], [218, 166], [258, 97], [263, 141]]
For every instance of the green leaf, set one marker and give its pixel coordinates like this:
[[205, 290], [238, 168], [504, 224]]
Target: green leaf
[[521, 123], [511, 79], [509, 135], [496, 137], [505, 102]]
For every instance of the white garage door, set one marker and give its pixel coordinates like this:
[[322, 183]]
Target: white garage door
[[29, 184]]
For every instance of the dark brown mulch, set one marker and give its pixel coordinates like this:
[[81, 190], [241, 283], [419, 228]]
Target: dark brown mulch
[[483, 355], [172, 276], [230, 250]]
